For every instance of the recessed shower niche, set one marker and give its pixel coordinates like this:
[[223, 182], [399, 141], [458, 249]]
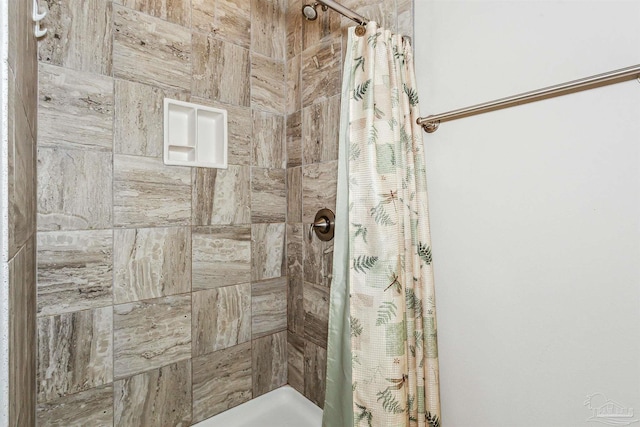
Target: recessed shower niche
[[194, 135]]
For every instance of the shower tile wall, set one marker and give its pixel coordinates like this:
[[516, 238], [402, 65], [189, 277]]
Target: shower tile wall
[[19, 208], [314, 54], [162, 290]]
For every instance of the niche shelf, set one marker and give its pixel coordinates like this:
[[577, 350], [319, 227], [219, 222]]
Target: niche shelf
[[194, 135]]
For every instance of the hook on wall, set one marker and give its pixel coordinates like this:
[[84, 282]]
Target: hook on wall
[[37, 17]]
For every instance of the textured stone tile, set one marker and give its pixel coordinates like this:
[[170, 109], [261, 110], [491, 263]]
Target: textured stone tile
[[75, 109], [319, 188], [316, 314], [161, 397], [150, 50], [267, 84], [327, 26], [320, 124], [93, 407], [148, 193], [268, 195], [268, 28], [74, 271], [22, 336], [221, 70], [177, 11], [138, 126], [315, 369], [150, 263], [321, 71], [268, 306], [295, 305], [294, 139], [221, 318], [318, 261], [268, 140], [221, 380], [21, 176], [269, 363], [221, 256], [294, 22], [267, 251], [221, 196], [239, 123], [79, 35], [228, 19], [74, 352], [164, 338], [293, 89], [74, 189], [22, 49], [294, 195], [405, 17], [295, 361]]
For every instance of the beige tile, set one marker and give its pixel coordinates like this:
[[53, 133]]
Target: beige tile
[[268, 140], [267, 251], [221, 318], [165, 339], [177, 11], [161, 397], [148, 193], [221, 71], [22, 336], [21, 176], [294, 139], [228, 19], [221, 256], [321, 124], [316, 314], [321, 71], [138, 125], [268, 195], [318, 261], [150, 50], [239, 122], [319, 188], [221, 380], [74, 189], [268, 307], [75, 352], [75, 109], [295, 305], [315, 369], [327, 26], [267, 84], [294, 195], [221, 196], [268, 28], [295, 361], [150, 263], [79, 35], [74, 271], [293, 89], [93, 407], [269, 363], [294, 23], [405, 17]]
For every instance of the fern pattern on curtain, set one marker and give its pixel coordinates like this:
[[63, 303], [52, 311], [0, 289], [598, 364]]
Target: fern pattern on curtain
[[392, 317]]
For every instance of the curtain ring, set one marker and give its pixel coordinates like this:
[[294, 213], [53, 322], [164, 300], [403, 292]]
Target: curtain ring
[[361, 30]]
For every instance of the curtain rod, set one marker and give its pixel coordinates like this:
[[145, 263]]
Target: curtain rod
[[361, 20], [430, 123]]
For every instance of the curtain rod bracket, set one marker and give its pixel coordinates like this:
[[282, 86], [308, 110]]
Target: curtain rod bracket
[[429, 126]]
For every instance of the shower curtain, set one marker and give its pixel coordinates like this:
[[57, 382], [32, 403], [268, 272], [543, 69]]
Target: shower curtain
[[382, 355]]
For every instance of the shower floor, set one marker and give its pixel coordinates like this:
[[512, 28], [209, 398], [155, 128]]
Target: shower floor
[[283, 407]]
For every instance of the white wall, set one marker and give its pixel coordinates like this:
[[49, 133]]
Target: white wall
[[535, 210]]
